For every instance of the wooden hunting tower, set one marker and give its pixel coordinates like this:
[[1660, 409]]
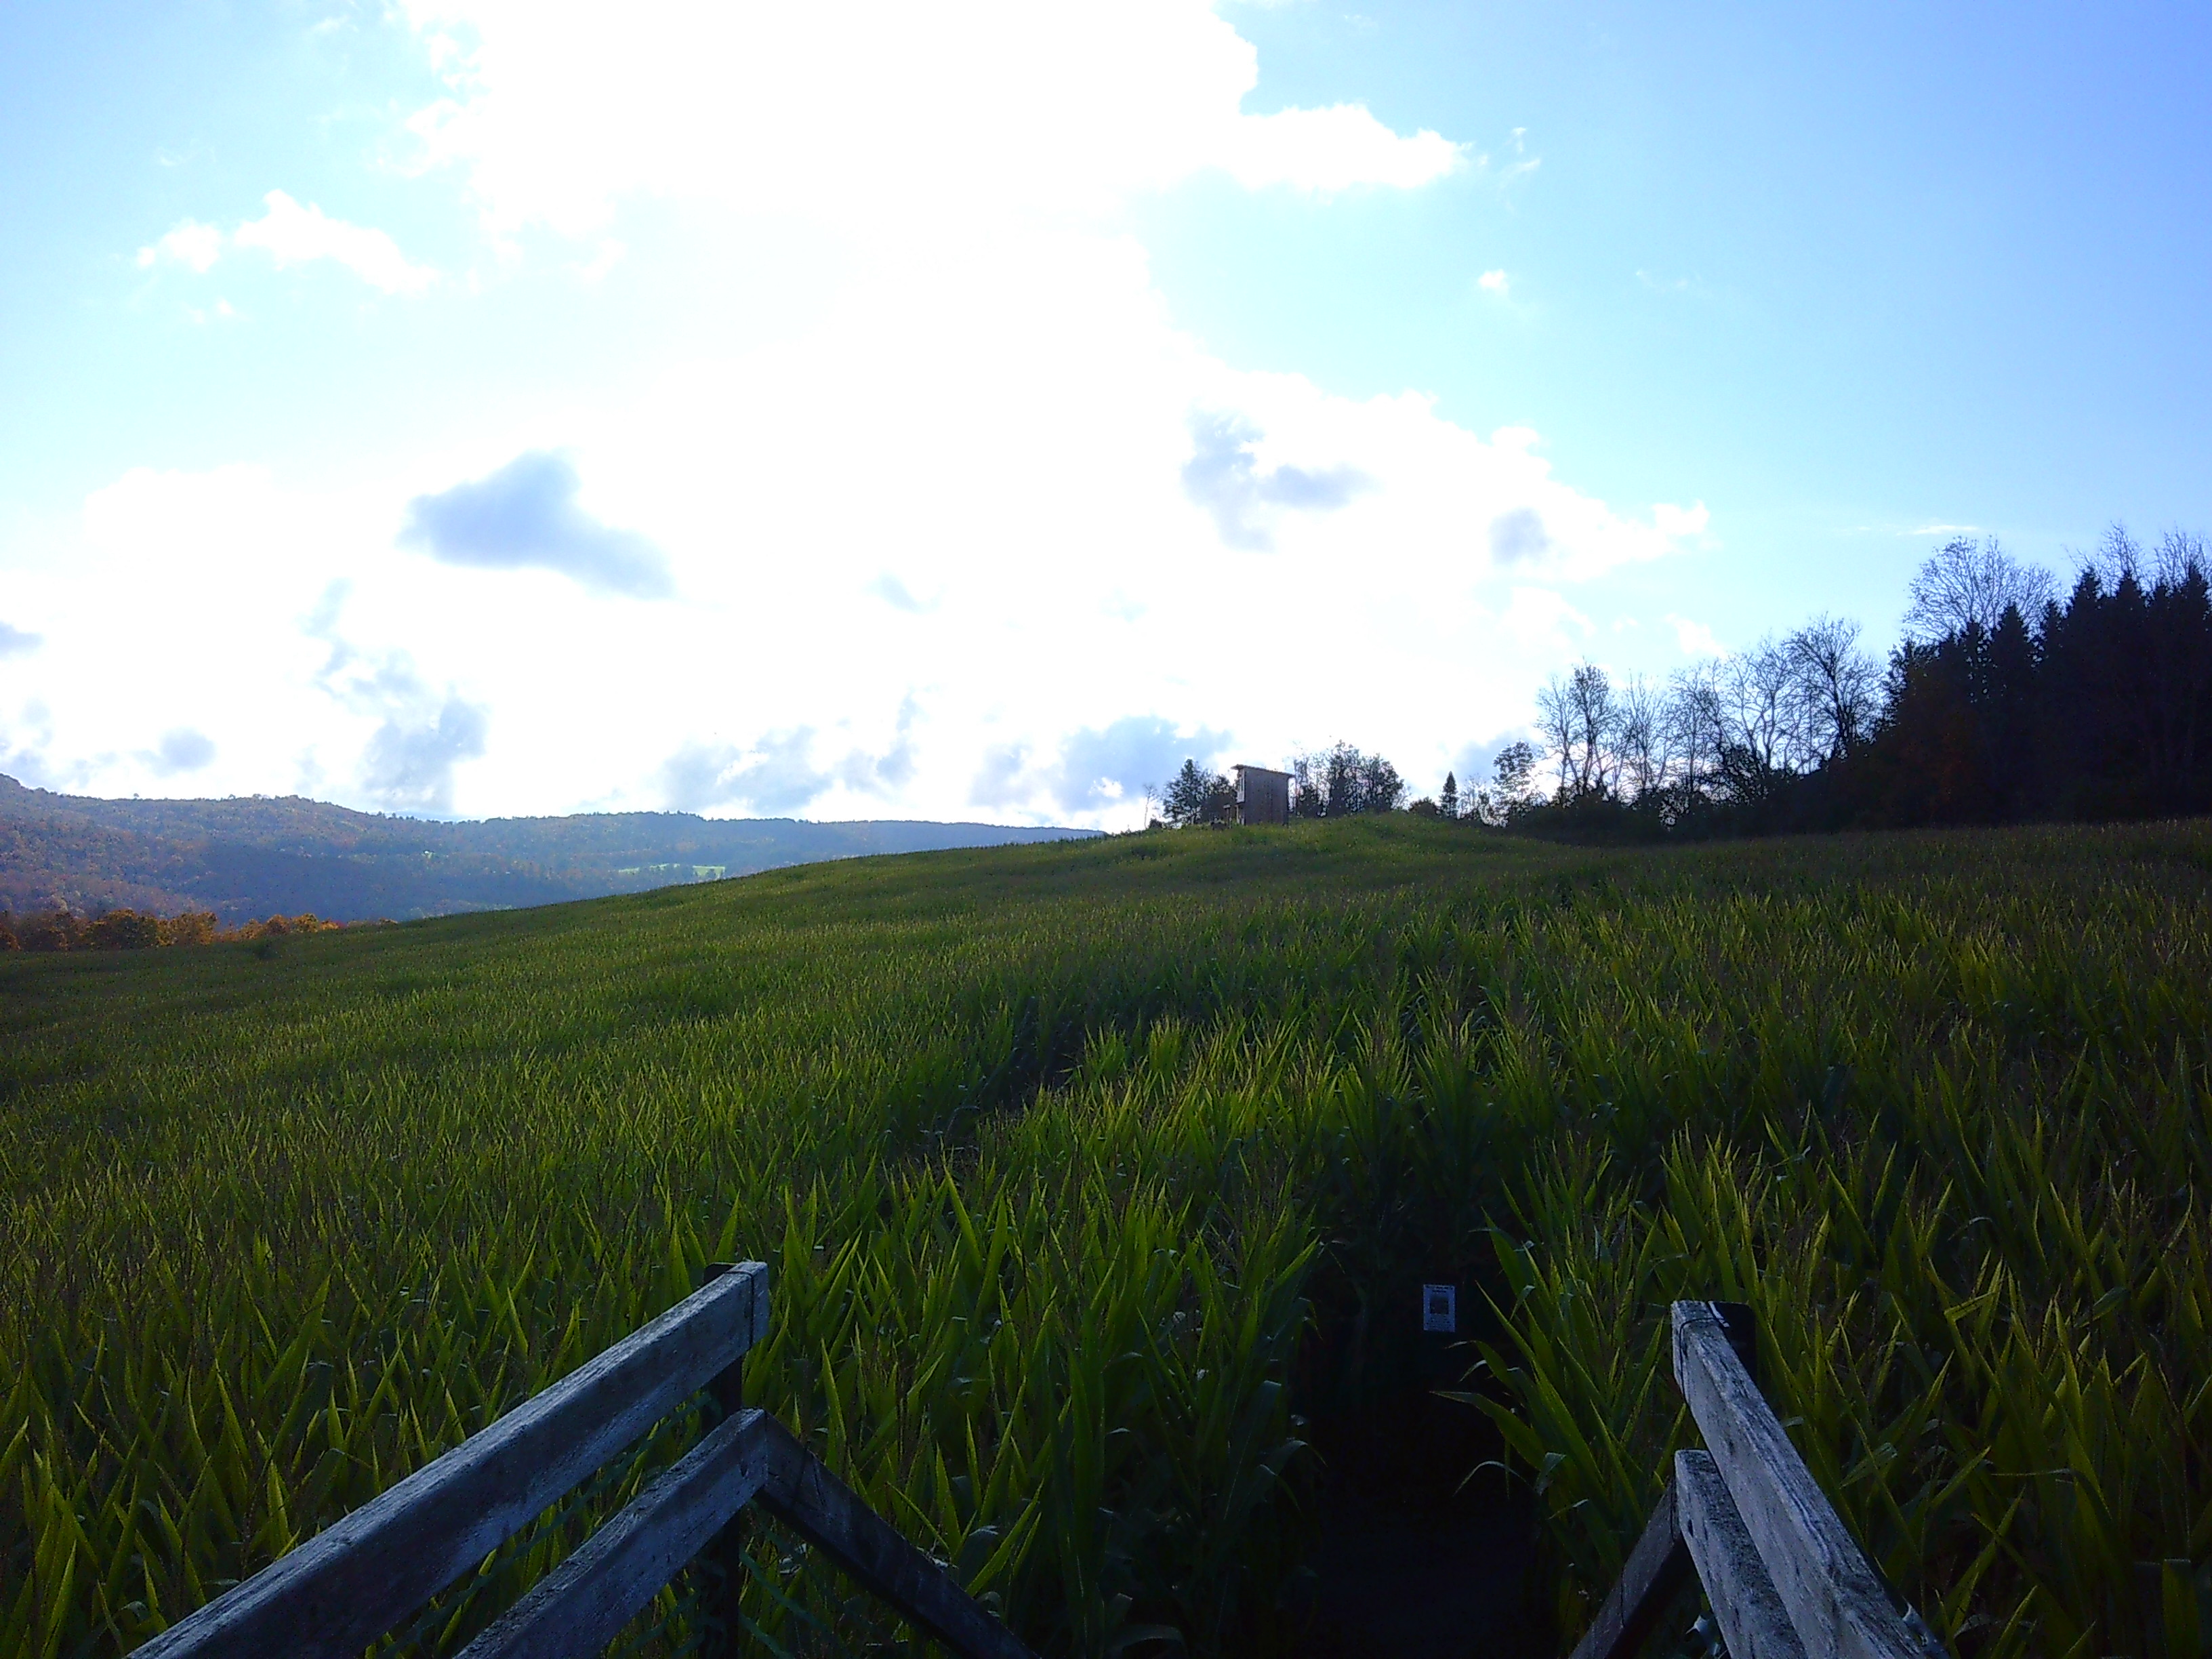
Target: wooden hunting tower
[[1262, 796]]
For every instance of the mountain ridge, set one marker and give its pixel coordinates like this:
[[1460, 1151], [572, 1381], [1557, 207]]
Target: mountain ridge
[[248, 856]]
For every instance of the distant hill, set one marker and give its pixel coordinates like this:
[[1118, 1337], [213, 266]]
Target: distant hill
[[243, 858]]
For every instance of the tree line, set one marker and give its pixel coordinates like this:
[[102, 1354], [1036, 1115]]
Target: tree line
[[134, 929], [2009, 700]]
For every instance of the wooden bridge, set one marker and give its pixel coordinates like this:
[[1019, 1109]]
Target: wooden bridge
[[1785, 1578], [359, 1579]]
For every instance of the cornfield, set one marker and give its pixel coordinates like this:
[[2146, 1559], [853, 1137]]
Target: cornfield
[[1080, 1171]]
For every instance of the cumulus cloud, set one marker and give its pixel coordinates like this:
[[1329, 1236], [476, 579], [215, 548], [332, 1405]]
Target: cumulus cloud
[[295, 235], [408, 766], [1222, 475], [910, 410], [892, 770], [555, 117], [774, 777], [1696, 638], [1680, 522], [895, 593], [1518, 537], [1494, 282], [1335, 149], [190, 243], [292, 235], [179, 750], [408, 763], [13, 642], [998, 781], [1099, 765], [526, 514]]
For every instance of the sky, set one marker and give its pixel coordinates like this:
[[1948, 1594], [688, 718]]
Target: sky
[[472, 408]]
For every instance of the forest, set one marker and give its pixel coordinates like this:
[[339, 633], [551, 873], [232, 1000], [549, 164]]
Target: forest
[[2005, 703]]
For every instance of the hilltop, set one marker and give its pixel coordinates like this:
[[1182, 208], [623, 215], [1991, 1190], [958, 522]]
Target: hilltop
[[251, 856]]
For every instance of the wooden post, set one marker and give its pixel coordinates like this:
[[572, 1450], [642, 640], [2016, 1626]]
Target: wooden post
[[800, 1491], [582, 1604], [723, 1556], [1655, 1570]]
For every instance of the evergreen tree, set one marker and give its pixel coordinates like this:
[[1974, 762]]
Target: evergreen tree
[[1448, 797]]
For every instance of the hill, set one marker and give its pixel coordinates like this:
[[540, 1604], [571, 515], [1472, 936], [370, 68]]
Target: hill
[[253, 856], [1098, 1182]]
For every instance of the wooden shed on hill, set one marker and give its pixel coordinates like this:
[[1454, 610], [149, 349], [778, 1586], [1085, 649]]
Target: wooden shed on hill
[[1262, 796]]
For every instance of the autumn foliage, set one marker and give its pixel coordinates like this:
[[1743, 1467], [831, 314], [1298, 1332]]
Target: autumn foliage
[[132, 930]]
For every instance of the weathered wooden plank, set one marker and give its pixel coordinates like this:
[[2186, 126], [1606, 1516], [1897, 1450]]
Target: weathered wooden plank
[[351, 1583], [724, 1553], [1752, 1620], [1839, 1606], [1650, 1578], [580, 1605], [802, 1493]]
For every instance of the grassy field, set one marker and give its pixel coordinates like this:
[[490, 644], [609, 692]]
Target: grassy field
[[1094, 1181]]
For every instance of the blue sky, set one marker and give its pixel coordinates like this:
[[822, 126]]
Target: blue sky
[[472, 407]]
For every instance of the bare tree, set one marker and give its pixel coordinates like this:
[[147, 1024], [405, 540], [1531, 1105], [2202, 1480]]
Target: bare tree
[[1833, 685], [1580, 720], [2181, 559], [1965, 586], [1642, 737], [1757, 711], [1555, 724], [1695, 726]]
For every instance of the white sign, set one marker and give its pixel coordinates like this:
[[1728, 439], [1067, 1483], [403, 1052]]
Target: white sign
[[1440, 1308]]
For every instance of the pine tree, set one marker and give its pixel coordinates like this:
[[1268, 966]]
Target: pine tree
[[1448, 798]]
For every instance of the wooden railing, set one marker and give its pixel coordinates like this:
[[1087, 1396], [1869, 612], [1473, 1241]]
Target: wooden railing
[[358, 1580], [1785, 1579]]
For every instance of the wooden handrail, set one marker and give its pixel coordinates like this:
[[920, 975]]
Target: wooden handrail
[[1839, 1607], [351, 1584], [1785, 1577], [582, 1604]]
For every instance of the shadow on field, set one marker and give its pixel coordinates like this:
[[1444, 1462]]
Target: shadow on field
[[1412, 1558]]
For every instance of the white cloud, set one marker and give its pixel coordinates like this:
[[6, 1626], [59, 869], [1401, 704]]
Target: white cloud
[[293, 235], [1695, 638], [933, 541], [191, 243], [556, 114], [1335, 149], [1494, 282]]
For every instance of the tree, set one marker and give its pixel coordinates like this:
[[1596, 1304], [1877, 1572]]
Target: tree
[[1695, 727], [1196, 796], [1579, 720], [1341, 780], [1833, 685], [1965, 586], [1448, 797], [1758, 715], [1513, 768], [1511, 773], [1641, 738]]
